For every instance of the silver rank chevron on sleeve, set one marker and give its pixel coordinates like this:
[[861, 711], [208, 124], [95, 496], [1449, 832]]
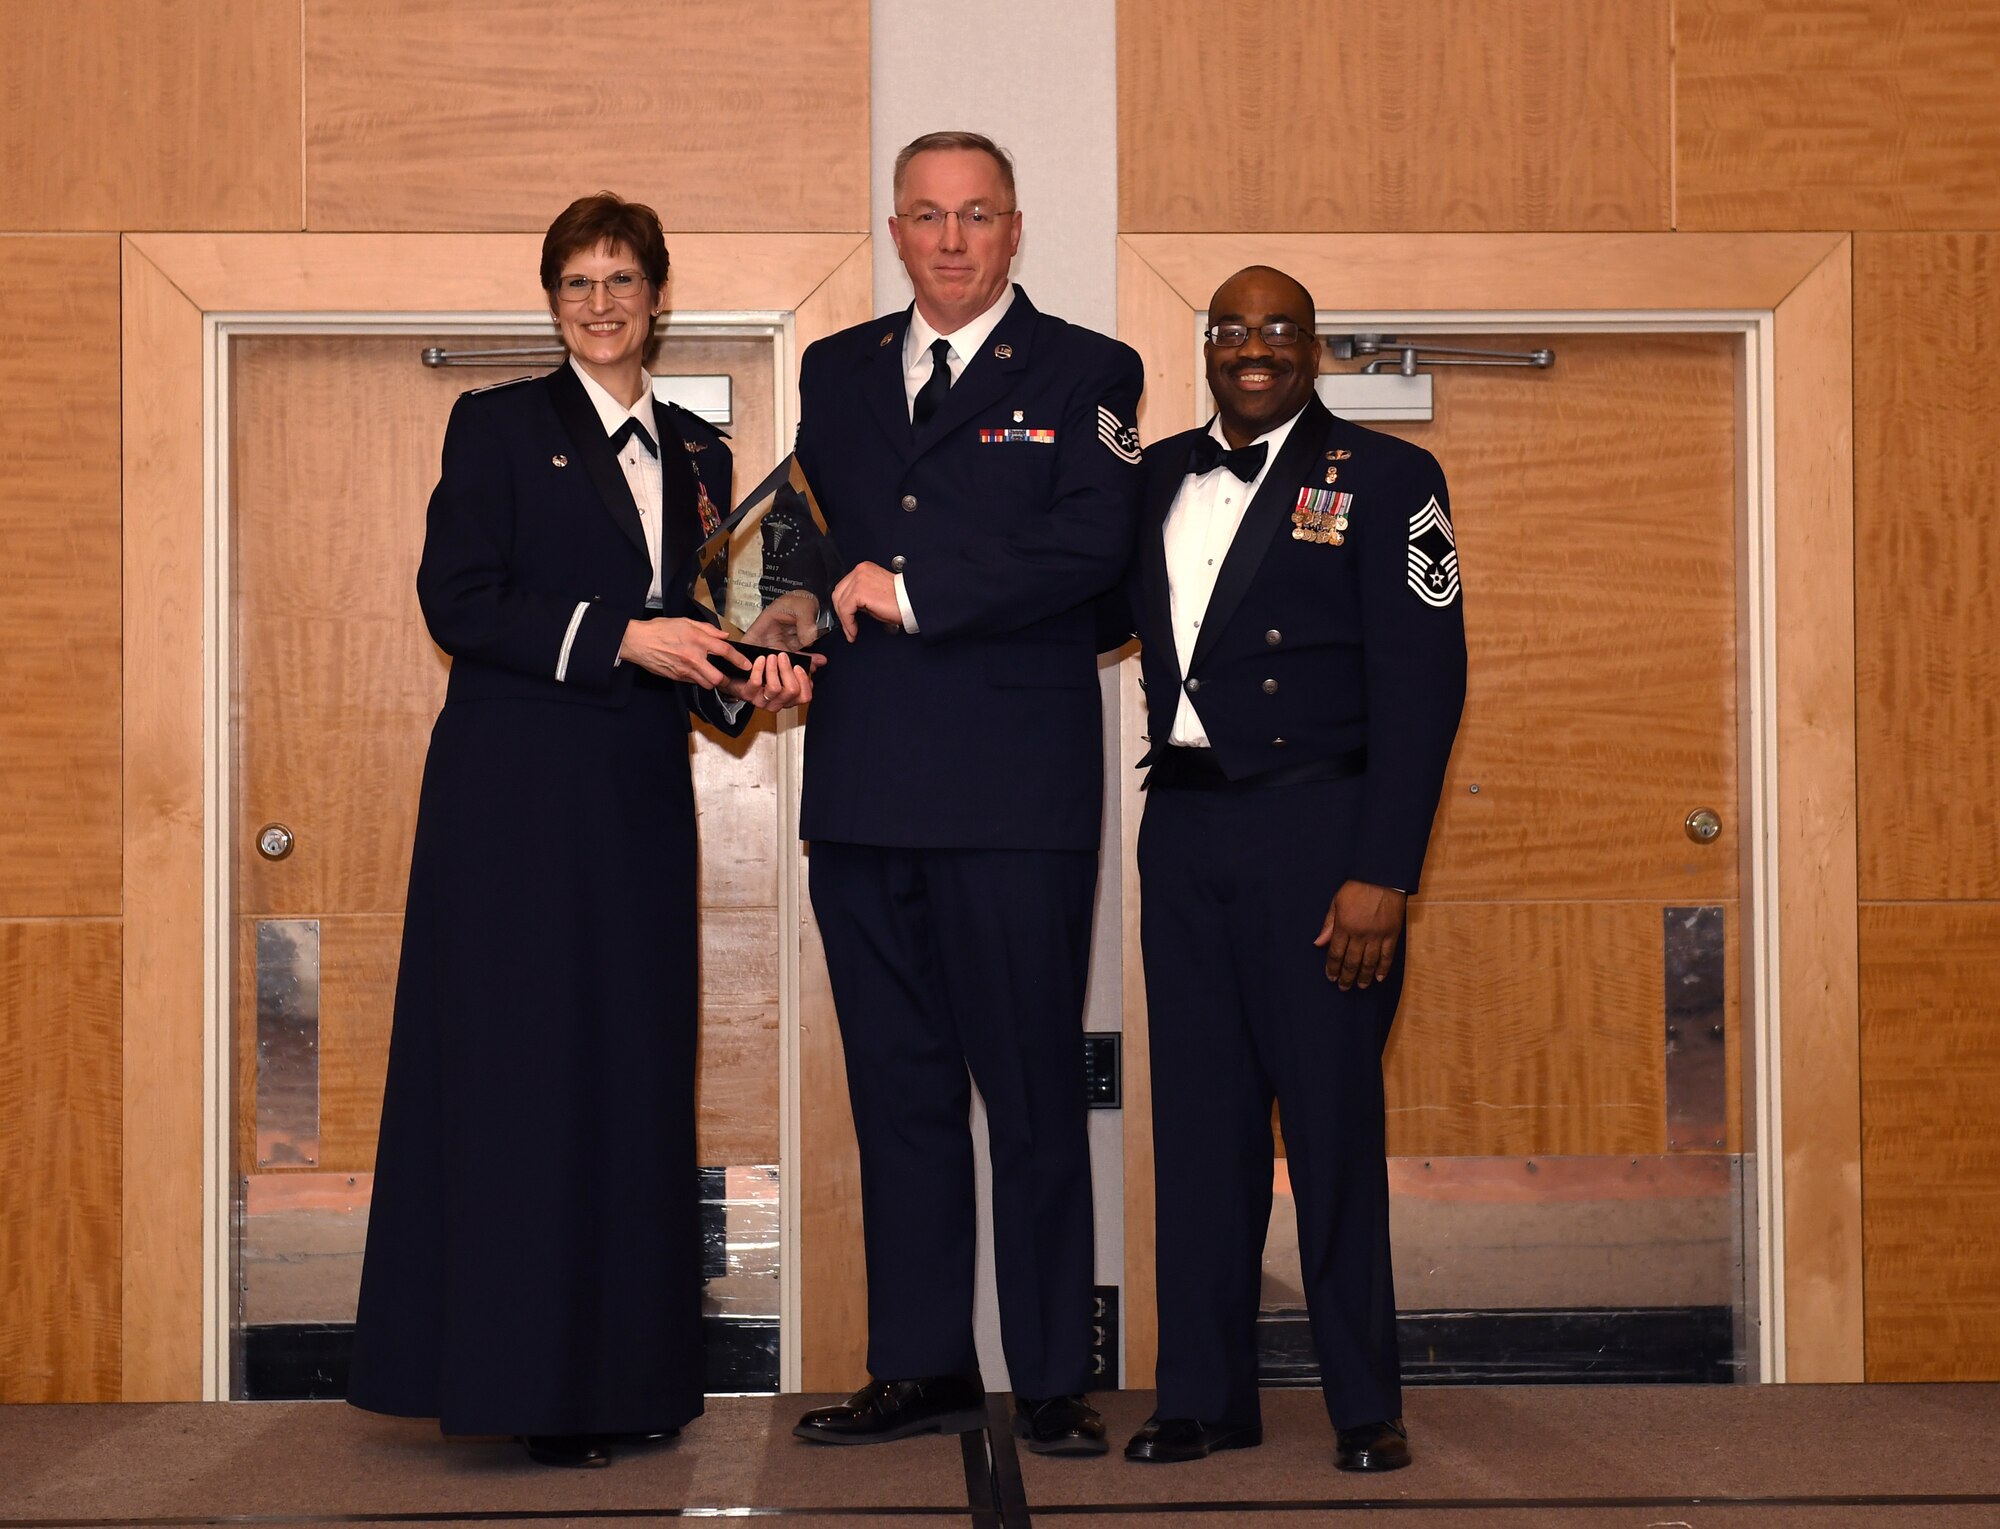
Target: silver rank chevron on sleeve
[[1433, 556], [1122, 441]]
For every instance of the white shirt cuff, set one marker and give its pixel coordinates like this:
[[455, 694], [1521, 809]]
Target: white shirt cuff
[[569, 639], [903, 605]]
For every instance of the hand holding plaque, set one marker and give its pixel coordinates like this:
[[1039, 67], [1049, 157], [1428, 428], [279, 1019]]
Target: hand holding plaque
[[765, 576]]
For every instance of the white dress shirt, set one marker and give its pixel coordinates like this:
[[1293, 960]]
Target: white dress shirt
[[642, 475], [965, 342], [1201, 525]]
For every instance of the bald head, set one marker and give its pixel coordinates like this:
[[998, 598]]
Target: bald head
[[1301, 299]]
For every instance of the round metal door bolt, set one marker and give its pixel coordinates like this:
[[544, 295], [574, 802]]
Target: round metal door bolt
[[1704, 825], [274, 841]]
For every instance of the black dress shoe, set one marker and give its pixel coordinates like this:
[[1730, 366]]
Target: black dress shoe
[[1059, 1425], [896, 1409], [579, 1451], [1167, 1440], [1373, 1446]]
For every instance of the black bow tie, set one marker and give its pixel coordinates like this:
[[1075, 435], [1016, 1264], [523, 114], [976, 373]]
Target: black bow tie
[[1206, 454], [626, 431]]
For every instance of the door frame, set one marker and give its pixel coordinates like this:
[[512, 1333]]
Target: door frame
[[184, 295], [1789, 296]]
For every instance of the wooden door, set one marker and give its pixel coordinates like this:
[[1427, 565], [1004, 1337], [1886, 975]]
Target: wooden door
[[1534, 1148], [1596, 511], [335, 683]]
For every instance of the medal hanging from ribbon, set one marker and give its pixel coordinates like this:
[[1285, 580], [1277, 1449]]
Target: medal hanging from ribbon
[[1321, 516]]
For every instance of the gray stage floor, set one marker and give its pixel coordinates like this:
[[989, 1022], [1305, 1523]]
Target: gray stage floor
[[1488, 1457]]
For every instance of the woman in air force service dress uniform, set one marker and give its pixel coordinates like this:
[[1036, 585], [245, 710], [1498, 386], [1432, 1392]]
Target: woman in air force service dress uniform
[[533, 1249]]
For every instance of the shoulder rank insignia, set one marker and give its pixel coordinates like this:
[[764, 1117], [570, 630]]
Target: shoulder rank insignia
[[1119, 438], [1433, 556], [1321, 516]]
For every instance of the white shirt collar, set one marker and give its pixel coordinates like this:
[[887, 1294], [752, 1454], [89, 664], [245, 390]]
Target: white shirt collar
[[965, 340], [1277, 437], [611, 411]]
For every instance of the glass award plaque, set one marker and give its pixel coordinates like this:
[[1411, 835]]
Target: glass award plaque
[[766, 574]]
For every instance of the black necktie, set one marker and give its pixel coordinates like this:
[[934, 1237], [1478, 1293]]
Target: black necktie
[[1206, 454], [931, 394], [626, 431]]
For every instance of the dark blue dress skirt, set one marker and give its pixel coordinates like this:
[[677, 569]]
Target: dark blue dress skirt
[[533, 1261]]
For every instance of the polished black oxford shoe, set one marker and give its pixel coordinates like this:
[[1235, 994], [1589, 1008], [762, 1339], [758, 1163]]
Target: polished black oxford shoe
[[1059, 1425], [578, 1451], [1165, 1441], [897, 1409], [1373, 1446]]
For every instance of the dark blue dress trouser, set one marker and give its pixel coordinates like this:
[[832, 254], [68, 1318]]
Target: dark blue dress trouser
[[942, 962], [1234, 885]]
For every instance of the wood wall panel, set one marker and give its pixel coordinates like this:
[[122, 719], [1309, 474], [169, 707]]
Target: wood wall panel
[[1595, 507], [1930, 1067], [1816, 804], [168, 114], [1858, 114], [61, 1161], [59, 514], [164, 830], [427, 114], [1927, 407], [1535, 1028], [1393, 114]]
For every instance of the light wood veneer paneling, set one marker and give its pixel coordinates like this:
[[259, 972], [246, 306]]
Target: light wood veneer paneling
[[1863, 114], [1536, 1028], [168, 114], [1595, 508], [1374, 114], [59, 512], [1927, 405], [60, 1160], [1930, 1073], [163, 841], [1818, 980], [425, 114]]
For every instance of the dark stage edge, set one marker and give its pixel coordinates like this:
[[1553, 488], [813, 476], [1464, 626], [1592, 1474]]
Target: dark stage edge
[[1488, 1457]]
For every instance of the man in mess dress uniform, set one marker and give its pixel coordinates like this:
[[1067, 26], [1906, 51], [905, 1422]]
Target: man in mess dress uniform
[[1296, 592], [976, 461]]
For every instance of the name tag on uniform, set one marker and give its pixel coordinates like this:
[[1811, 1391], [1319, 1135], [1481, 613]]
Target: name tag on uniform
[[1012, 437]]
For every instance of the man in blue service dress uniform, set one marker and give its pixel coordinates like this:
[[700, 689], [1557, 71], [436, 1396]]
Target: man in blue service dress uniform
[[1296, 592], [977, 463]]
